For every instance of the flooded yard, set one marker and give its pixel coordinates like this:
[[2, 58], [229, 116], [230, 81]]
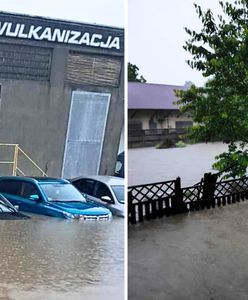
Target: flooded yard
[[48, 258], [199, 255], [202, 255], [148, 165]]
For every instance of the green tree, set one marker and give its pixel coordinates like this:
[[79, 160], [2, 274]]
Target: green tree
[[188, 84], [220, 107], [133, 74]]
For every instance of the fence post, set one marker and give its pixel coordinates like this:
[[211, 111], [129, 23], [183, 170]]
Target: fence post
[[131, 209], [178, 206], [209, 189]]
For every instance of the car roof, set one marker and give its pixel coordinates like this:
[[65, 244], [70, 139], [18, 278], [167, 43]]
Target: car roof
[[110, 180], [50, 179], [36, 179]]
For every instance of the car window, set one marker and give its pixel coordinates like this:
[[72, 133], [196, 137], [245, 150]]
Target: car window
[[61, 192], [119, 192], [29, 189], [85, 186], [12, 187], [102, 190]]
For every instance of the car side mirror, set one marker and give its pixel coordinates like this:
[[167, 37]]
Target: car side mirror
[[34, 197], [106, 199], [16, 207]]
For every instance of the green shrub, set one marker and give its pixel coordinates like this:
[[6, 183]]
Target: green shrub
[[165, 144], [180, 144]]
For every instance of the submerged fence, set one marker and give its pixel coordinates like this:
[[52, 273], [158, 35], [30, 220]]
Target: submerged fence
[[155, 200]]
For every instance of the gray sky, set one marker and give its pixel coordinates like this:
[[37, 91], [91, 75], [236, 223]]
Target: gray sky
[[106, 12], [156, 36]]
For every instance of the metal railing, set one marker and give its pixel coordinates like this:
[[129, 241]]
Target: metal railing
[[156, 132], [16, 154]]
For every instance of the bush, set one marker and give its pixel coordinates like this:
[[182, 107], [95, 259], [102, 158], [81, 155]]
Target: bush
[[180, 144], [165, 144]]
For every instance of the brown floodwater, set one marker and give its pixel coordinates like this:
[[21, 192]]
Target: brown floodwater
[[148, 165], [200, 255], [48, 258]]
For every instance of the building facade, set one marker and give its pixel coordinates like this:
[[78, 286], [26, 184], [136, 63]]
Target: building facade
[[62, 93], [153, 114]]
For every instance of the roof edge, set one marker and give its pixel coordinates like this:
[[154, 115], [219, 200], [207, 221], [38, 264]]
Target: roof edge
[[59, 20]]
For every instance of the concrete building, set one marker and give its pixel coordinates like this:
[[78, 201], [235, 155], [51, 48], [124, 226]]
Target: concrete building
[[153, 114], [62, 93]]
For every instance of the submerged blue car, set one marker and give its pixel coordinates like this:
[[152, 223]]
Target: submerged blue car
[[51, 197]]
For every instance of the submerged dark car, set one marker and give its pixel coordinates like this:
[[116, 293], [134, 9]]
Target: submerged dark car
[[51, 197], [120, 163], [8, 211]]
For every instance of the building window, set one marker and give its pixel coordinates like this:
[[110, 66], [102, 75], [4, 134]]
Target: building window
[[152, 124], [134, 125], [184, 124]]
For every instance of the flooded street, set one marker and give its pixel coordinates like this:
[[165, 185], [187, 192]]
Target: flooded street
[[148, 165], [48, 258]]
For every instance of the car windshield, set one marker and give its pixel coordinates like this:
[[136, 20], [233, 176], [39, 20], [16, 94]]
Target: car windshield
[[119, 192], [62, 192], [5, 206]]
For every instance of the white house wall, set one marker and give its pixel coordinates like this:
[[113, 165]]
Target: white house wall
[[144, 116]]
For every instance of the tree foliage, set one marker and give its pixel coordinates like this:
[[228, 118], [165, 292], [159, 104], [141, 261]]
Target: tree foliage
[[220, 107], [133, 74]]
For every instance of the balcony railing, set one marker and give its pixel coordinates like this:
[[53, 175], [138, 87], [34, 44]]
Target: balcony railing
[[152, 136], [147, 132]]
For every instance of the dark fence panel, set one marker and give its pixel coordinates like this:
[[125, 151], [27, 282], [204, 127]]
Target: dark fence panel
[[150, 201], [160, 199], [154, 200]]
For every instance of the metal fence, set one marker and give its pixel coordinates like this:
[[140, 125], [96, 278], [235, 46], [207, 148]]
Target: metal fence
[[160, 199]]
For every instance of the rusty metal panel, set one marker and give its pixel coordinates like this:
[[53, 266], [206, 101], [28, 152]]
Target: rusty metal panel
[[94, 70], [85, 134]]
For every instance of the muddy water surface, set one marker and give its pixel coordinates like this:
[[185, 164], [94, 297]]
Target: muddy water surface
[[48, 258], [201, 255], [147, 165]]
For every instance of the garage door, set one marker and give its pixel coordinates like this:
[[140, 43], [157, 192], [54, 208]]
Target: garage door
[[85, 134]]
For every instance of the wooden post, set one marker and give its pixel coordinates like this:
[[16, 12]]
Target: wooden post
[[178, 206], [131, 209], [209, 189]]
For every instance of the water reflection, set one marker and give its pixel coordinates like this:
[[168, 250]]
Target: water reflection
[[51, 254]]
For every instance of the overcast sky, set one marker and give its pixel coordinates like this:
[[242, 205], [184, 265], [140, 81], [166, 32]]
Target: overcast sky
[[156, 36], [105, 12]]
